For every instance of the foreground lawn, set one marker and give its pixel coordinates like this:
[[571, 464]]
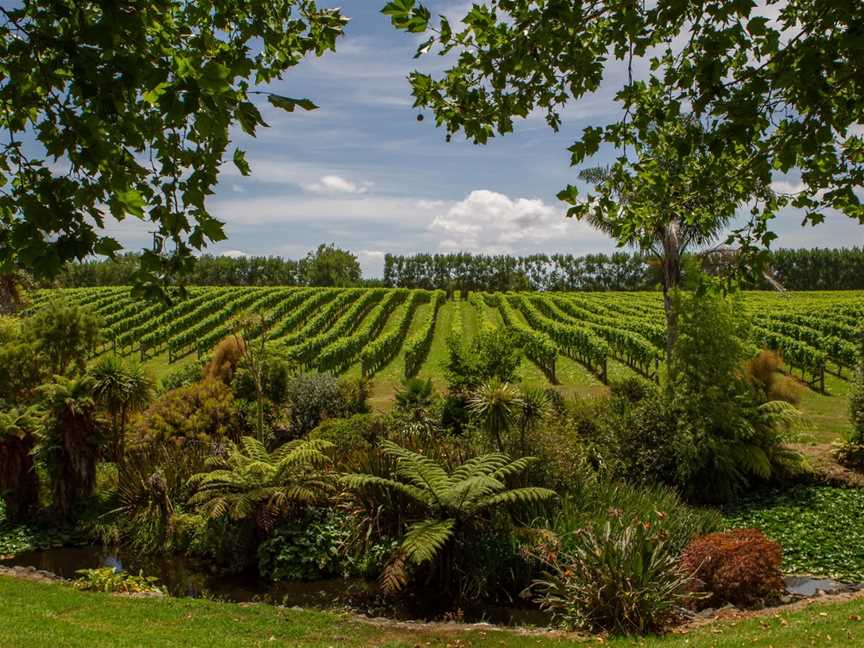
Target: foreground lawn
[[37, 614]]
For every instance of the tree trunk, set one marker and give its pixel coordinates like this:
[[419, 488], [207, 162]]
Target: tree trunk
[[671, 264]]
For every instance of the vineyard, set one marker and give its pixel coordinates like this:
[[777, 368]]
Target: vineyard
[[366, 330]]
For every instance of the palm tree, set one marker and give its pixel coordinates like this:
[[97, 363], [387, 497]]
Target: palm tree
[[19, 484], [13, 283], [247, 482], [452, 504], [496, 405], [69, 443], [121, 389]]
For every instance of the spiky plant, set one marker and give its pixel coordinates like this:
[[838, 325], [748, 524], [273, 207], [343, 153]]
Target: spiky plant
[[69, 443], [247, 482], [415, 395], [535, 406], [496, 406], [452, 504], [152, 483], [121, 388], [19, 484]]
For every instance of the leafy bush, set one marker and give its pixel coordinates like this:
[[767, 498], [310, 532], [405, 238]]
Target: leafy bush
[[202, 411], [65, 335], [313, 397], [182, 377], [623, 578], [741, 567], [107, 579], [28, 537], [308, 548], [820, 528], [354, 439]]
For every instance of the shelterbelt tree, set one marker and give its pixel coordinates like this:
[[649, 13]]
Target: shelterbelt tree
[[123, 108], [774, 86]]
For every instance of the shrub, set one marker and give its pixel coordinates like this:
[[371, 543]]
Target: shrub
[[623, 578], [354, 439], [65, 334], [201, 411], [182, 377], [308, 548], [226, 358], [313, 397], [762, 371], [107, 579], [741, 567], [153, 485], [632, 388]]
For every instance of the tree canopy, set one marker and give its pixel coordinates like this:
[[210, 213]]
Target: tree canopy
[[776, 86], [124, 108]]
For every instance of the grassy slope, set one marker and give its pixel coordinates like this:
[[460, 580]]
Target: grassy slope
[[38, 614]]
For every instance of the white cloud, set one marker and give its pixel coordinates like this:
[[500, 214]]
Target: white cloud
[[334, 184], [373, 254], [487, 221], [234, 254]]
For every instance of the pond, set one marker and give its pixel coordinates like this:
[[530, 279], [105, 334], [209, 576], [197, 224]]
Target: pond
[[181, 576]]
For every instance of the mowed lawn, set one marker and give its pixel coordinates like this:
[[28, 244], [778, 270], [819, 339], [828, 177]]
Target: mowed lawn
[[57, 616]]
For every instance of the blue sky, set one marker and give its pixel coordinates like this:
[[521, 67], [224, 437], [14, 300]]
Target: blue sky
[[362, 172]]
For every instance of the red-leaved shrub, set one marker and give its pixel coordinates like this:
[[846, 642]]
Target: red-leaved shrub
[[741, 567]]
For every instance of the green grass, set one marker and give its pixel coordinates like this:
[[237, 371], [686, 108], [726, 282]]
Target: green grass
[[820, 528], [39, 614], [825, 417]]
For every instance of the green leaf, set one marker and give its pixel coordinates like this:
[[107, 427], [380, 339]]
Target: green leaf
[[289, 104], [131, 201], [241, 163]]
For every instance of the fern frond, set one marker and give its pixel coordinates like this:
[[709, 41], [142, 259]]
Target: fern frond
[[424, 540], [356, 481], [527, 495], [513, 467]]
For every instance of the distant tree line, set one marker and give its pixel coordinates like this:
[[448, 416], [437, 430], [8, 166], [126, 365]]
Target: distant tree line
[[463, 271], [803, 269], [326, 266]]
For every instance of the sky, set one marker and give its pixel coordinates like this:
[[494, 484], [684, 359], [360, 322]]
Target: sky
[[362, 172]]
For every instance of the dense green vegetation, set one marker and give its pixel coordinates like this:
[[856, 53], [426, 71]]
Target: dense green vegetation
[[487, 478]]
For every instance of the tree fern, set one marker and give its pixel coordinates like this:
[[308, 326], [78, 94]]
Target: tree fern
[[248, 482], [452, 504]]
